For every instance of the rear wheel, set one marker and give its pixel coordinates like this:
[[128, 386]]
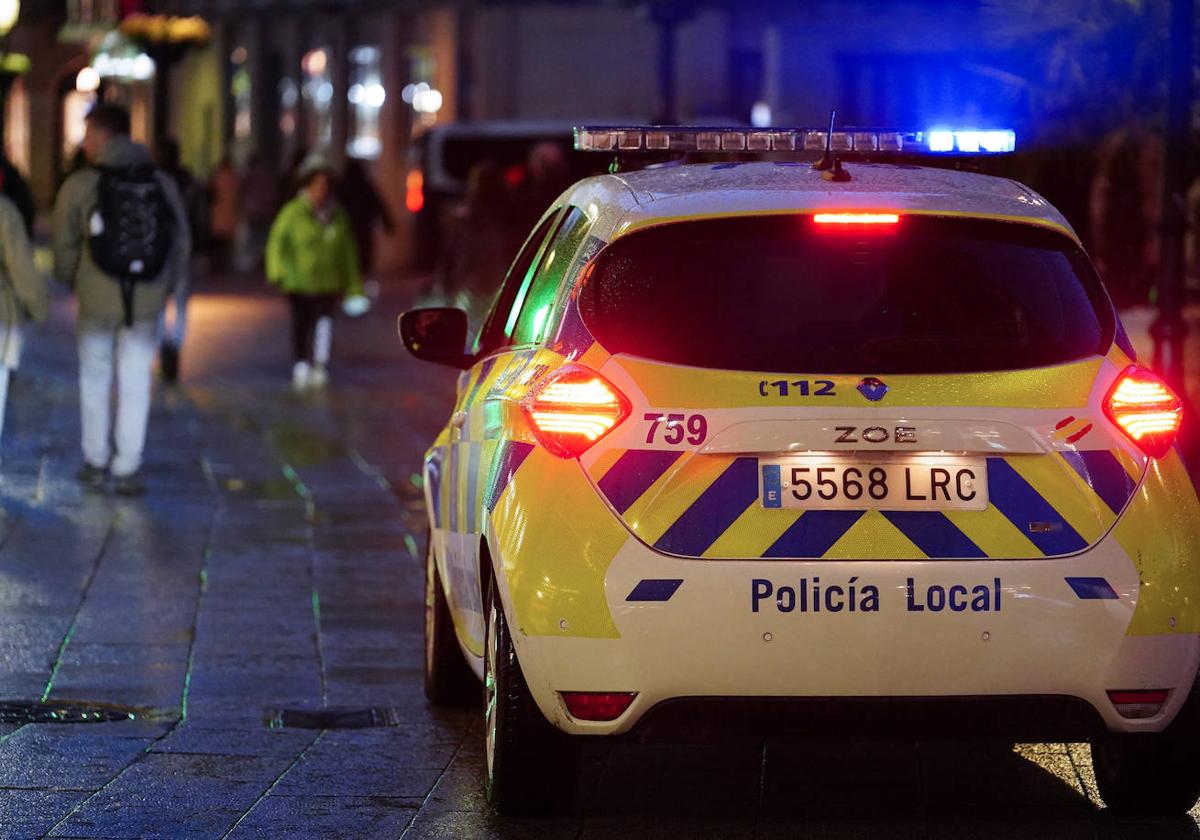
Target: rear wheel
[[448, 679], [531, 767], [1154, 774]]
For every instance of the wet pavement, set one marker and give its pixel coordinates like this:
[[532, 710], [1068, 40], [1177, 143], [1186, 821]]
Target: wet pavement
[[274, 565]]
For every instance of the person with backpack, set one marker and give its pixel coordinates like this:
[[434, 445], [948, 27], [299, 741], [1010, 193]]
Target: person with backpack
[[121, 242]]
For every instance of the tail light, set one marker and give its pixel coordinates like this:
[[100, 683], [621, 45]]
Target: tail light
[[572, 408], [1145, 409], [589, 705], [414, 191], [1138, 704]]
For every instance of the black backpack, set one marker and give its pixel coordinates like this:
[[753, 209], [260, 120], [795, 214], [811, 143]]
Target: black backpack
[[131, 228]]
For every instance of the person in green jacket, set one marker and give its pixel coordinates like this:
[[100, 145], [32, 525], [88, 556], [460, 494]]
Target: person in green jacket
[[311, 257]]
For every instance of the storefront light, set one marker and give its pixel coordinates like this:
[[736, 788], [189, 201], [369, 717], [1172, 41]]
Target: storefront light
[[10, 10], [428, 101], [88, 80]]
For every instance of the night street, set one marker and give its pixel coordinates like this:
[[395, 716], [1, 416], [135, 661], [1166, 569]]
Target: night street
[[276, 564]]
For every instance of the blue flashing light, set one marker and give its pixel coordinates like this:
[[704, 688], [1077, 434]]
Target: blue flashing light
[[972, 141], [941, 141]]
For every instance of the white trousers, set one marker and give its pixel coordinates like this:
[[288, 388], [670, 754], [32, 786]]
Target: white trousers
[[133, 350]]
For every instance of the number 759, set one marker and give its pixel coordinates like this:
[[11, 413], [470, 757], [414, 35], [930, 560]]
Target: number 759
[[677, 427]]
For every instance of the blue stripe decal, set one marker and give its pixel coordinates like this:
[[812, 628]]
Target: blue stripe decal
[[933, 533], [1092, 588], [654, 590], [772, 476], [632, 475], [1022, 505], [509, 457], [717, 508], [452, 488], [814, 533], [433, 474], [485, 368], [474, 451], [1104, 473]]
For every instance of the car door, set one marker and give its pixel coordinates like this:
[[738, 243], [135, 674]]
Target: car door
[[471, 442]]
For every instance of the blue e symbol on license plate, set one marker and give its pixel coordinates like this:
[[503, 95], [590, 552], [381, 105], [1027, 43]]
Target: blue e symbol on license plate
[[772, 486]]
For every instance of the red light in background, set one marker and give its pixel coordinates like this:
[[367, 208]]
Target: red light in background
[[414, 191]]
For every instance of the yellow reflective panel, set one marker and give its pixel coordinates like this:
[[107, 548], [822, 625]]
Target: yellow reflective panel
[[752, 533], [556, 539], [690, 387], [995, 535], [1160, 531], [873, 537], [683, 487]]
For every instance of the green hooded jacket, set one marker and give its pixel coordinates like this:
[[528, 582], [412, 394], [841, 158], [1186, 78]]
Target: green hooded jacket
[[310, 256]]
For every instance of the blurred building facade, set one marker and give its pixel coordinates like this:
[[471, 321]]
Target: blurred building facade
[[363, 78]]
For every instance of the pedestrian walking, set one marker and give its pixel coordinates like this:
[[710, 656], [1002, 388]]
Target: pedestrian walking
[[195, 205], [224, 192], [23, 292], [480, 237], [366, 209], [258, 210], [121, 241], [311, 257]]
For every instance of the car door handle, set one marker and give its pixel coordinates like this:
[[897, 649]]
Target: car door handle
[[458, 419]]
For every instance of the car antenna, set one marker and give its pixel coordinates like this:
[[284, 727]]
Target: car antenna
[[830, 166]]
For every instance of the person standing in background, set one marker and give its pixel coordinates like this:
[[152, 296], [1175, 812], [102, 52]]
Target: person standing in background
[[258, 210], [311, 258], [23, 292], [365, 208], [224, 190], [196, 207]]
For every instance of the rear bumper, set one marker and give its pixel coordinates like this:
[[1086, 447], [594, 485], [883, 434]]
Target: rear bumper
[[939, 635], [1016, 718]]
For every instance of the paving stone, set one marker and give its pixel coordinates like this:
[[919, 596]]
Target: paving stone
[[320, 817], [31, 813]]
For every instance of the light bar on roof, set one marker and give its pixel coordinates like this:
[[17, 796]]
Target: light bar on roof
[[676, 138]]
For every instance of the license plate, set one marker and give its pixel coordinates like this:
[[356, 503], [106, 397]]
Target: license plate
[[839, 483]]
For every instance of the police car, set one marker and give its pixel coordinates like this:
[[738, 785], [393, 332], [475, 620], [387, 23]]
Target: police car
[[758, 441]]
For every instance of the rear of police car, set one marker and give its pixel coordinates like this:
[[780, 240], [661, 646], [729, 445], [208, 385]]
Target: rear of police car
[[863, 446]]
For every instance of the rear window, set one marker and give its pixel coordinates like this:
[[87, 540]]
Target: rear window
[[781, 293]]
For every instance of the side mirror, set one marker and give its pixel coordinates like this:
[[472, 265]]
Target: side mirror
[[436, 334]]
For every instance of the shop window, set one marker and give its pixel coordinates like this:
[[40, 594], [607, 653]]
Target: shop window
[[366, 95]]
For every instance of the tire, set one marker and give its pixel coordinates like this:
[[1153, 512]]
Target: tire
[[449, 681], [1154, 774], [530, 767]]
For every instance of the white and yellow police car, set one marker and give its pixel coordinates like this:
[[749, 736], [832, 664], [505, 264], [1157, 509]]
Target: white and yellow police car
[[755, 441]]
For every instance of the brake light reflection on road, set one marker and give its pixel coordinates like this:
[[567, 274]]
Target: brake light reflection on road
[[572, 408], [1145, 409]]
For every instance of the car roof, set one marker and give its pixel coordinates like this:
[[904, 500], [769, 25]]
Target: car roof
[[629, 201]]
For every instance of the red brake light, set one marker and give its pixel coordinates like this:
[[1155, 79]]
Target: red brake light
[[1145, 409], [414, 191], [589, 705], [1138, 703], [572, 408], [856, 218]]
